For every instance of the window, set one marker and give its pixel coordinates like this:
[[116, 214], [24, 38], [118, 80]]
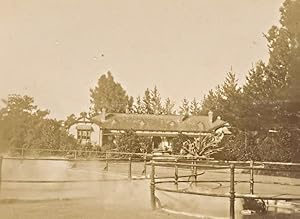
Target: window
[[84, 135]]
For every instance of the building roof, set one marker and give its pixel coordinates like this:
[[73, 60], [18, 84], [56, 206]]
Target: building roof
[[84, 127], [150, 122]]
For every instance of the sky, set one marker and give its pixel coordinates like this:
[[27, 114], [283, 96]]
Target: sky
[[56, 50]]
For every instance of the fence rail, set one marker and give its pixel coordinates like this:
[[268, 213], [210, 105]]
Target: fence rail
[[174, 161], [108, 160], [231, 194]]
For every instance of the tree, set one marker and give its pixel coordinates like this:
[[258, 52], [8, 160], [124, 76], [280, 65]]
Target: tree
[[110, 95], [230, 99], [130, 104], [178, 142], [290, 20], [147, 106], [138, 107], [203, 146], [225, 100], [18, 117], [23, 125], [168, 108], [270, 97], [156, 101], [272, 89], [195, 107], [71, 119], [258, 94], [131, 142], [211, 102], [151, 103], [285, 56], [184, 109], [256, 87]]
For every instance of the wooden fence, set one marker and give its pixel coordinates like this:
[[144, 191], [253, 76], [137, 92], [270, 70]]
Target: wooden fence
[[176, 162], [251, 166]]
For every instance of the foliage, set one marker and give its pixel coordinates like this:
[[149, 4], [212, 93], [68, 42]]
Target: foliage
[[138, 107], [269, 100], [110, 95], [156, 101], [195, 108], [70, 120], [147, 102], [168, 108], [211, 102], [184, 109], [178, 142], [22, 124], [131, 142], [151, 103], [203, 146], [225, 100], [261, 146]]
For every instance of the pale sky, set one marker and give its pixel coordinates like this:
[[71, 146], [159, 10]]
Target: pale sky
[[51, 49]]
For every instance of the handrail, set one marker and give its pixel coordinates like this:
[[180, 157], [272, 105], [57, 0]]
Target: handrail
[[186, 157], [232, 195]]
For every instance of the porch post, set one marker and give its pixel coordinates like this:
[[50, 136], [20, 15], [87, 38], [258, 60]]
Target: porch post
[[100, 137]]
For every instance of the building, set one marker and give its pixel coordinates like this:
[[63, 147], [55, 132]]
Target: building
[[161, 128], [85, 131]]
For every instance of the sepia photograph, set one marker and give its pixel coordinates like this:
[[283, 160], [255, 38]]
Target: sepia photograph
[[149, 109]]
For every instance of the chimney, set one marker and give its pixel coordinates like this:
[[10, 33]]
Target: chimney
[[103, 115], [210, 117]]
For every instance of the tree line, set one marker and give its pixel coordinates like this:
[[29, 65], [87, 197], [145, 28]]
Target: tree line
[[24, 125], [110, 95]]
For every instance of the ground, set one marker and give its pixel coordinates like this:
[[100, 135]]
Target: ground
[[111, 194]]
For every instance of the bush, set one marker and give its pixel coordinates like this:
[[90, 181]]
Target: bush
[[132, 143]]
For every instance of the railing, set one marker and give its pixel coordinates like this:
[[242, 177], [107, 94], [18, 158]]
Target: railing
[[108, 157], [174, 161], [221, 165]]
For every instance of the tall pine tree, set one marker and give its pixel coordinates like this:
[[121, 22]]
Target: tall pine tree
[[184, 109], [195, 107], [110, 95]]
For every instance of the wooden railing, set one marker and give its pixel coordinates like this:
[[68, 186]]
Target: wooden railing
[[175, 161], [229, 165]]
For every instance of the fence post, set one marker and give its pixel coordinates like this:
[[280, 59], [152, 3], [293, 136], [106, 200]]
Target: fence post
[[152, 186], [145, 165], [106, 161], [176, 173], [75, 154], [129, 168], [195, 171], [251, 177], [232, 192], [1, 158], [22, 153]]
